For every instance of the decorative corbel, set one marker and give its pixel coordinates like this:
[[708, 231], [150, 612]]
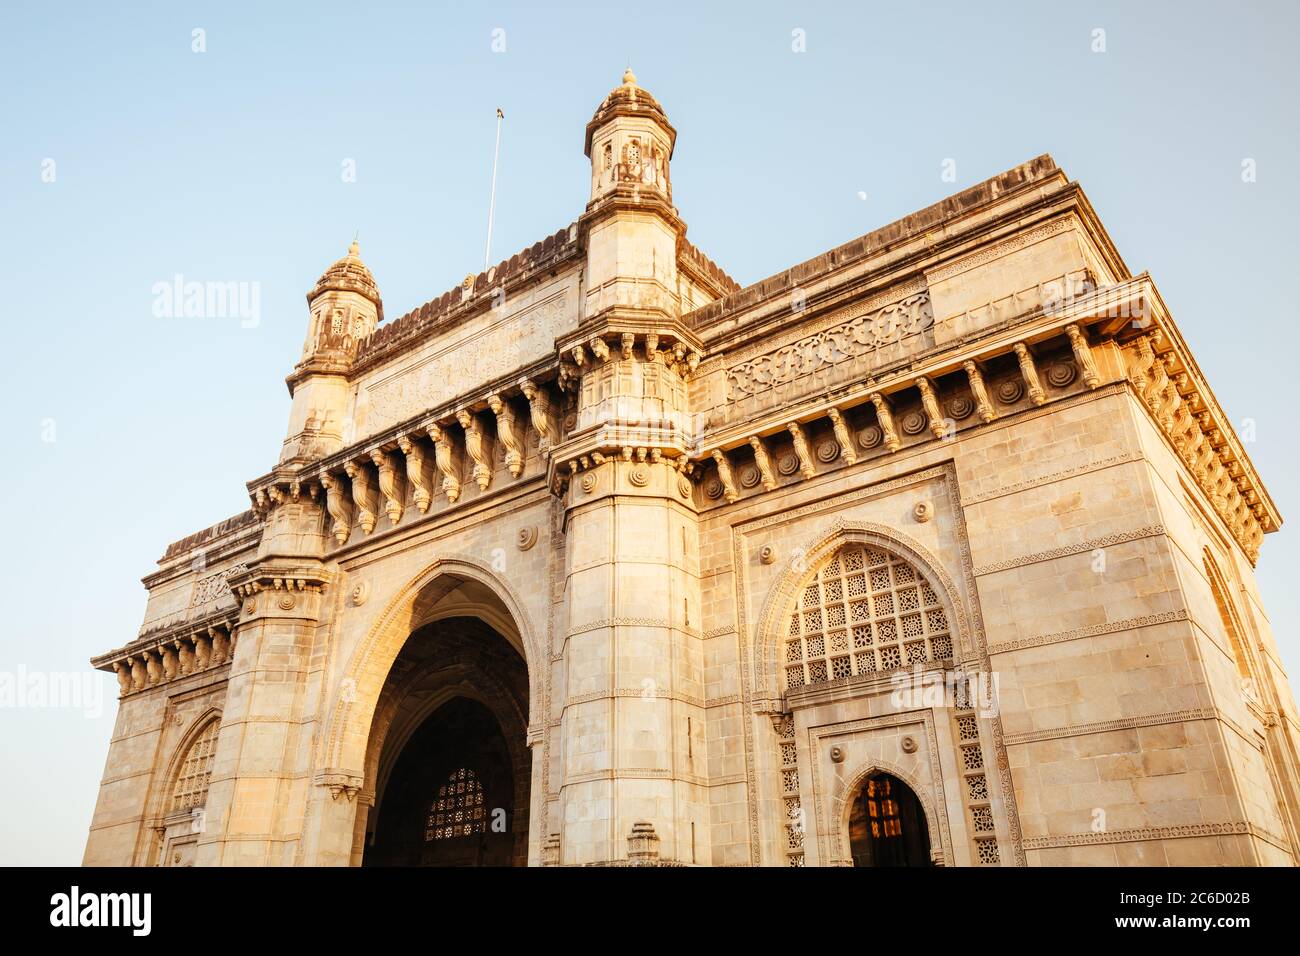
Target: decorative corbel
[[652, 352], [336, 503], [139, 677], [152, 667], [1141, 358], [446, 459], [806, 467], [416, 472], [679, 358], [123, 678], [476, 445], [508, 432], [842, 436], [938, 427], [724, 475], [1083, 355], [541, 412], [764, 463], [362, 494], [388, 486], [1030, 374], [184, 657], [599, 349], [202, 652], [628, 343], [886, 419], [983, 407], [170, 666], [579, 357], [220, 645]]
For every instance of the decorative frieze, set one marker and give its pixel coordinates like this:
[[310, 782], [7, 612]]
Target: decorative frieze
[[855, 338]]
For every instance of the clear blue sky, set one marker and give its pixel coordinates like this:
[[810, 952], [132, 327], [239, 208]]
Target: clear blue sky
[[226, 165]]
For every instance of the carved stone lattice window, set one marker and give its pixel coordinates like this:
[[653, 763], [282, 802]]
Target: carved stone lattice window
[[634, 153], [865, 611], [191, 788], [794, 819], [459, 810]]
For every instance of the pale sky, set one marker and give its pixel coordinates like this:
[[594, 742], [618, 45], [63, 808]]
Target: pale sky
[[127, 158]]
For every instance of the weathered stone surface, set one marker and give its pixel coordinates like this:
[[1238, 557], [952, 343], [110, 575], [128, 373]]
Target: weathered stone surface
[[600, 559]]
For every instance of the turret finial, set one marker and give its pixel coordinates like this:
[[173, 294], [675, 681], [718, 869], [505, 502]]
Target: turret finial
[[629, 78]]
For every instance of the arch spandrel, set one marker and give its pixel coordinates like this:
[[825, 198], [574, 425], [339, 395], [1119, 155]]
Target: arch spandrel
[[353, 702], [769, 695]]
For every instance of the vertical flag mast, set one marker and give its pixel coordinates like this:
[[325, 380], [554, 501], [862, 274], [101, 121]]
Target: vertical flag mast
[[492, 205]]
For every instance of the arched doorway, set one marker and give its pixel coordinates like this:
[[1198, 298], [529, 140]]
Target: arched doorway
[[450, 760], [887, 824]]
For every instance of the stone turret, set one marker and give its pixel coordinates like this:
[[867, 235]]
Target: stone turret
[[345, 308], [632, 226]]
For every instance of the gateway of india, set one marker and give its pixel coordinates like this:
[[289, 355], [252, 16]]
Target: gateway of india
[[933, 550]]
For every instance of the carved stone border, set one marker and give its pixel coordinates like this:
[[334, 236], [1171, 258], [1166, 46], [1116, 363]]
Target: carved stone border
[[1104, 726], [1092, 630], [1145, 834], [999, 249], [1119, 537]]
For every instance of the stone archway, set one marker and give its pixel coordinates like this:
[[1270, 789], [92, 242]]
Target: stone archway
[[448, 758], [367, 701]]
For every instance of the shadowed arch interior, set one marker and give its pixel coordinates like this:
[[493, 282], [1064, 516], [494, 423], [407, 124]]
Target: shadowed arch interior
[[887, 825], [447, 753]]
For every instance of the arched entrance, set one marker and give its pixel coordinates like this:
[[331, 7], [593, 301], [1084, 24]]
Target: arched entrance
[[448, 752], [887, 825]]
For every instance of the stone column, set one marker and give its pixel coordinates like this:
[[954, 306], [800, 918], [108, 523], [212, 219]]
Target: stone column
[[633, 718]]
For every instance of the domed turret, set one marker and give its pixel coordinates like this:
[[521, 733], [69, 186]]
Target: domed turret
[[348, 274], [630, 141], [345, 309]]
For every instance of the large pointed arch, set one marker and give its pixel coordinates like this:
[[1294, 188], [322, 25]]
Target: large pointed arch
[[356, 698], [768, 694]]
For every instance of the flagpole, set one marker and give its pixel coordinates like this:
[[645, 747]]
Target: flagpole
[[492, 205]]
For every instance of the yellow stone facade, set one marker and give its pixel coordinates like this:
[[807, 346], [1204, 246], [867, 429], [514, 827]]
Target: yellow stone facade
[[948, 509]]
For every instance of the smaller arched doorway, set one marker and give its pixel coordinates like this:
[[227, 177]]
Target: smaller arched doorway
[[887, 825]]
